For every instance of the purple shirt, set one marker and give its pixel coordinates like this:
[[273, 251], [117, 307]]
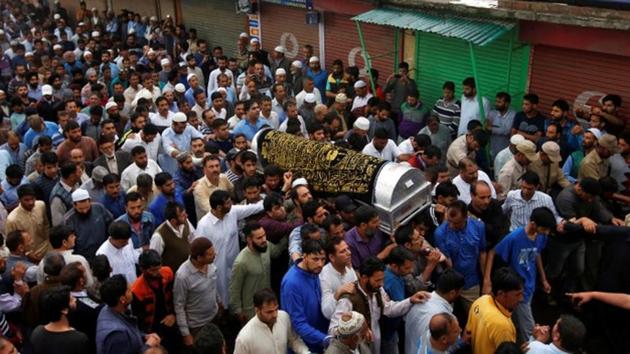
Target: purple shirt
[[362, 249]]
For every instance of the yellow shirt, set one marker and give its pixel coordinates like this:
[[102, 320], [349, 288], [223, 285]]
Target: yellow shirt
[[490, 325], [35, 222], [204, 189]]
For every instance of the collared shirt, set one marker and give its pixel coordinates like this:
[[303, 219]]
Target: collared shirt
[[519, 209], [509, 177], [593, 166], [204, 189], [224, 236], [68, 257], [449, 113], [441, 138], [463, 248], [389, 153], [9, 196], [161, 121], [122, 260], [256, 337], [195, 296], [418, 318], [330, 280], [501, 129], [129, 175], [284, 125], [390, 309], [501, 159], [248, 129], [361, 248], [550, 175], [140, 231], [172, 141], [470, 111], [490, 325], [456, 152], [299, 98], [464, 187], [152, 148], [359, 101], [35, 222], [157, 242]]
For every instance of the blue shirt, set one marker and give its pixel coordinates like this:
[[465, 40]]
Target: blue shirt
[[147, 225], [184, 180], [300, 296], [50, 129], [520, 253], [158, 205], [115, 206], [394, 285], [9, 195], [463, 248], [181, 142], [249, 129], [319, 80], [17, 157]]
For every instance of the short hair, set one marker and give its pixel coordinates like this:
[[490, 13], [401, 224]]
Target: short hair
[[138, 150], [446, 189], [209, 340], [506, 279], [590, 186], [149, 129], [562, 104], [58, 234], [132, 197], [218, 122], [26, 190], [199, 246], [54, 301], [309, 209], [149, 258], [251, 182], [370, 266], [272, 200], [104, 139], [248, 156], [448, 85], [399, 255], [171, 210], [310, 246], [381, 133], [14, 171], [314, 127], [458, 206], [403, 65], [364, 213], [53, 263], [48, 158], [403, 234], [67, 169], [264, 296], [531, 98], [508, 348], [422, 140], [433, 151], [250, 227], [272, 170], [543, 217], [112, 289], [14, 240], [144, 180], [470, 82], [72, 273], [449, 280], [119, 230], [480, 136], [71, 125], [307, 229], [615, 99], [110, 178], [331, 244], [100, 267], [572, 333], [504, 96], [162, 178], [218, 197], [531, 177]]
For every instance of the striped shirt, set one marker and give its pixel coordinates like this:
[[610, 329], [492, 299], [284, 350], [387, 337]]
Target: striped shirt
[[520, 209], [449, 113]]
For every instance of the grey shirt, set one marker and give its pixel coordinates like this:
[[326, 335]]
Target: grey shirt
[[195, 296], [571, 206]]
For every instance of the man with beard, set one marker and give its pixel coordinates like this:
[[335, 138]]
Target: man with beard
[[251, 270], [572, 165], [186, 178], [315, 214], [168, 193], [270, 331], [547, 168], [133, 89], [212, 181], [113, 113], [365, 239], [620, 164], [89, 221], [48, 105], [141, 164], [30, 216], [141, 222], [370, 295], [74, 139], [113, 161], [153, 300], [146, 135], [500, 121], [120, 253], [350, 336], [516, 167], [172, 238], [595, 164], [60, 196]]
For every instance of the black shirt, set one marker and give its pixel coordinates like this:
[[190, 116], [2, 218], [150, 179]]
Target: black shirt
[[69, 342], [529, 125], [497, 223]]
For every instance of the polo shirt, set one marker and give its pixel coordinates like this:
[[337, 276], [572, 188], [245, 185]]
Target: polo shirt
[[490, 324], [389, 153], [248, 129], [361, 248]]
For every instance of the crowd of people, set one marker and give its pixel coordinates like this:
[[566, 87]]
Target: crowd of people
[[135, 218]]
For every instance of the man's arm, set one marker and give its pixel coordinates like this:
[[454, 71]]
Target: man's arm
[[180, 293], [487, 282], [615, 299], [541, 273], [295, 308], [236, 290], [57, 211]]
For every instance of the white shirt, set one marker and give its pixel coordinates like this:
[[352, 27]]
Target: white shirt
[[257, 338], [232, 122], [155, 94], [219, 114], [68, 257], [502, 158], [464, 188], [390, 152], [390, 309], [299, 98], [470, 111], [152, 148], [224, 236], [129, 175], [519, 209], [273, 119], [536, 347], [359, 101], [330, 280], [161, 121], [157, 243], [418, 318], [406, 147], [283, 126], [212, 79], [122, 260]]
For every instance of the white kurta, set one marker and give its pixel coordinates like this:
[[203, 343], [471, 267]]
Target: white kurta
[[122, 260], [224, 236], [257, 338]]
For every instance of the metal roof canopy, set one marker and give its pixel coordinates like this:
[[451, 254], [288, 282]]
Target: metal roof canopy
[[477, 31]]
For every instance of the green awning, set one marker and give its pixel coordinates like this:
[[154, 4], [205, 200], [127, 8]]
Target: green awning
[[478, 31]]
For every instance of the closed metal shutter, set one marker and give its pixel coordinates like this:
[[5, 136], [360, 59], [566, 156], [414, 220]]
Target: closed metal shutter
[[441, 59], [580, 77], [144, 8], [216, 21], [342, 42], [286, 26]]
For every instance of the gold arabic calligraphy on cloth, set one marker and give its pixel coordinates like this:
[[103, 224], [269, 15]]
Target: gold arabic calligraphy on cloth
[[327, 168]]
